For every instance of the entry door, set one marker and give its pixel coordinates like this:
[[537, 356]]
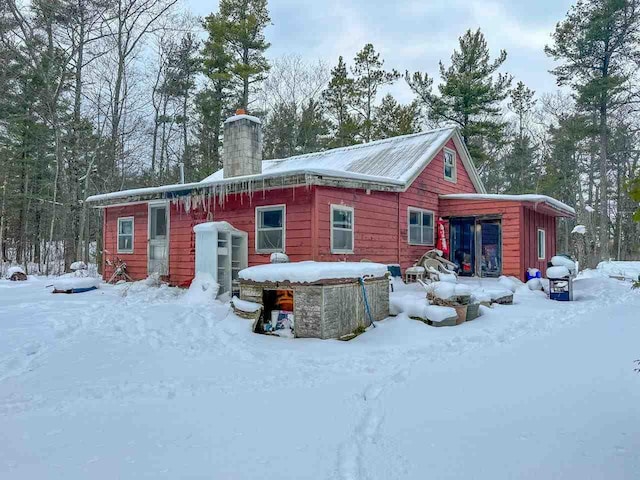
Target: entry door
[[463, 251], [158, 239], [490, 246]]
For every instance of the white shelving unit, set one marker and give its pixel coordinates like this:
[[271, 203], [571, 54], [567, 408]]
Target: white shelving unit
[[222, 251]]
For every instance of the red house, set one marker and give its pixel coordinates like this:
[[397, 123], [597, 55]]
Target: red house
[[378, 201]]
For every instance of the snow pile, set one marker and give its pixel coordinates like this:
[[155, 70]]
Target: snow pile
[[534, 284], [13, 270], [508, 283], [279, 257], [561, 261], [556, 272], [413, 306], [65, 283], [245, 305], [581, 229], [446, 290], [629, 270], [448, 277], [203, 289], [78, 266], [306, 272]]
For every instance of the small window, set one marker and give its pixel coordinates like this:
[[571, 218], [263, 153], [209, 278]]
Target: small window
[[125, 235], [341, 229], [420, 227], [541, 244], [450, 165], [270, 229]]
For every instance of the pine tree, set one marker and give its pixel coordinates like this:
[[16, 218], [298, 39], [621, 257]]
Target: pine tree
[[597, 44], [214, 99], [313, 128], [244, 24], [519, 164], [470, 95], [338, 100], [369, 76], [393, 119]]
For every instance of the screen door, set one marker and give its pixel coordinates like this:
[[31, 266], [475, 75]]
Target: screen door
[[158, 240]]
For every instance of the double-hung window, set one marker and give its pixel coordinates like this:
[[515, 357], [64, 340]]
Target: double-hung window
[[270, 229], [125, 235], [450, 165], [420, 226], [341, 229], [542, 237]]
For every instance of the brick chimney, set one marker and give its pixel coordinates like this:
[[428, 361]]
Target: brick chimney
[[242, 147]]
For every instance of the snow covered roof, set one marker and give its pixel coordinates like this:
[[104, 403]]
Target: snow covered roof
[[534, 198], [391, 164], [396, 160], [307, 272]]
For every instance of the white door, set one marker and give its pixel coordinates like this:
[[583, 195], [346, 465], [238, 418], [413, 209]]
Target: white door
[[158, 253]]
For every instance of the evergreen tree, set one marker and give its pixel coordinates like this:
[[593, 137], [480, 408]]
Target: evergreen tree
[[392, 119], [369, 76], [280, 131], [313, 128], [470, 95], [214, 100], [597, 44], [519, 164], [338, 100], [244, 24]]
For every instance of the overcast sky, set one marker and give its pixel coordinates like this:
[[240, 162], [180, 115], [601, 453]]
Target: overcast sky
[[414, 34]]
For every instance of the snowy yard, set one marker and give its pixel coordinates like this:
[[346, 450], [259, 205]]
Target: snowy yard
[[100, 385]]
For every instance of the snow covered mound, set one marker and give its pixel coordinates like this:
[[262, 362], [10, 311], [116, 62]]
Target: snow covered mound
[[203, 289], [560, 261], [14, 270], [70, 283], [78, 266], [628, 270], [446, 290], [306, 272], [558, 272]]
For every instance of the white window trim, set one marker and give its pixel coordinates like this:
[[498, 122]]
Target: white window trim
[[353, 229], [284, 227], [133, 232], [543, 245], [453, 179], [433, 225]]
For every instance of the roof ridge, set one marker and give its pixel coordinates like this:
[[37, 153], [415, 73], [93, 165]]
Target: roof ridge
[[362, 145]]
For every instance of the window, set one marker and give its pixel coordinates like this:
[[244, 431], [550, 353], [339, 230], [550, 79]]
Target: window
[[420, 227], [270, 228], [125, 235], [341, 229], [541, 244], [450, 165]]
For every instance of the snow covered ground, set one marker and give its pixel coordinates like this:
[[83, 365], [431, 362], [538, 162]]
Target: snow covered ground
[[137, 382]]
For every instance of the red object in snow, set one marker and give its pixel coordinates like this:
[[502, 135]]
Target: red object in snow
[[442, 241]]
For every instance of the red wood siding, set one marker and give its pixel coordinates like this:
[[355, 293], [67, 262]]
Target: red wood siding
[[136, 261], [380, 220], [423, 193], [510, 213], [375, 224], [532, 221], [239, 211]]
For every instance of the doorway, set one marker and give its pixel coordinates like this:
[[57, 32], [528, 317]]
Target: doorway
[[476, 245], [158, 252]]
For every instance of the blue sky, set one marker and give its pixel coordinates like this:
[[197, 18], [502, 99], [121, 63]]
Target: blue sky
[[414, 34]]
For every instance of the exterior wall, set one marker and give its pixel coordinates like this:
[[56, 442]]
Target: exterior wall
[[136, 261], [423, 193], [380, 219], [239, 211], [510, 212], [532, 220]]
